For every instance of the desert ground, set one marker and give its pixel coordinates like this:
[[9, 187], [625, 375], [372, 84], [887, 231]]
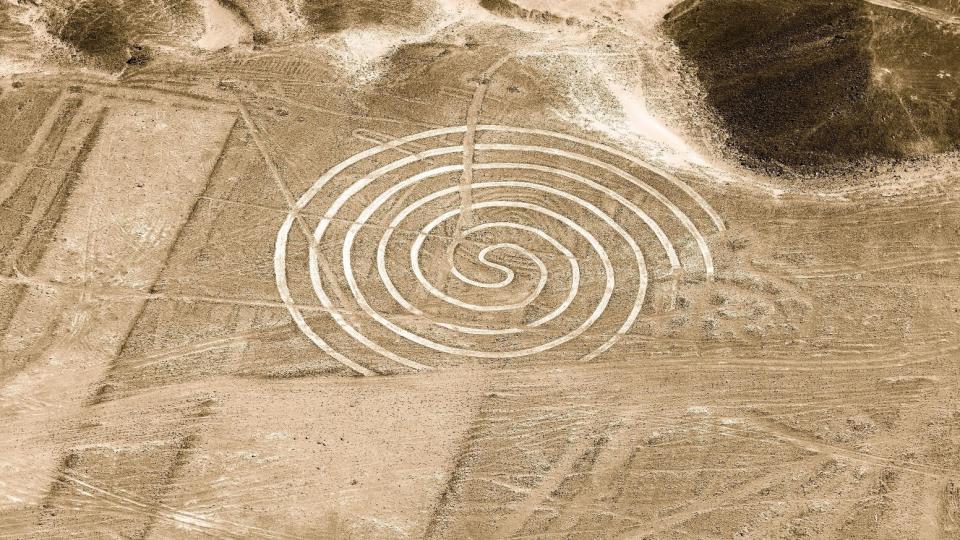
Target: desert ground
[[480, 269]]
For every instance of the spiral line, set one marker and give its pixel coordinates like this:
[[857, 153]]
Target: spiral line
[[559, 265]]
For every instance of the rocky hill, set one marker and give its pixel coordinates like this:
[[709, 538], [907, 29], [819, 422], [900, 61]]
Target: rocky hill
[[819, 83]]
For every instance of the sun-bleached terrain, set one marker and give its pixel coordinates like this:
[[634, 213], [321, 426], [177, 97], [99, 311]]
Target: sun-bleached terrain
[[479, 269]]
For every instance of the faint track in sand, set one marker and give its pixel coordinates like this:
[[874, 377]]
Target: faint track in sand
[[709, 504], [788, 435], [933, 14], [559, 472], [130, 502]]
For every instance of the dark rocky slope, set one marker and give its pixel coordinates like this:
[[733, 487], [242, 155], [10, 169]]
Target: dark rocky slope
[[106, 34], [818, 83]]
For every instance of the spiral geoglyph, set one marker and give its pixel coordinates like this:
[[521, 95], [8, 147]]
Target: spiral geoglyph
[[550, 248]]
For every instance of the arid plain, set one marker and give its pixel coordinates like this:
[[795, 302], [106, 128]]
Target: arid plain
[[479, 269]]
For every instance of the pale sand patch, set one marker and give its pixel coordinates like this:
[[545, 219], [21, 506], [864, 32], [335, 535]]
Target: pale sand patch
[[224, 28]]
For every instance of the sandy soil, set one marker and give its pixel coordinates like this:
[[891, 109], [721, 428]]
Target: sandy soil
[[446, 270]]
